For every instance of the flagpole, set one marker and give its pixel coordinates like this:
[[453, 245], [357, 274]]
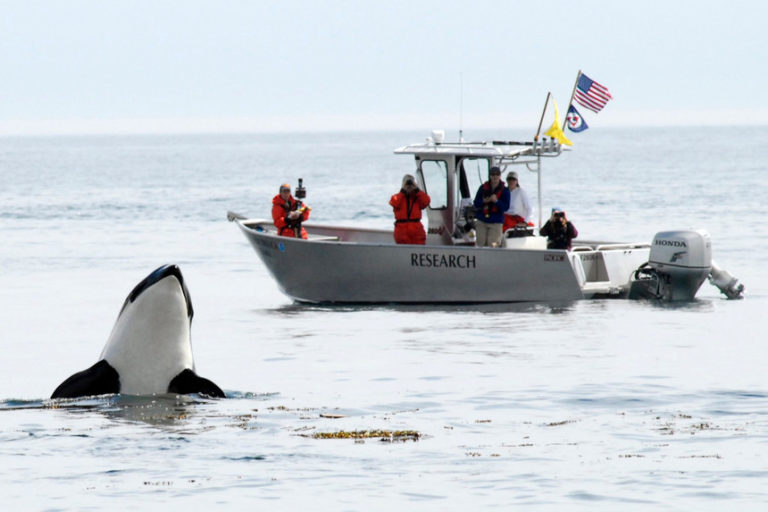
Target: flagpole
[[541, 120], [570, 102], [461, 107]]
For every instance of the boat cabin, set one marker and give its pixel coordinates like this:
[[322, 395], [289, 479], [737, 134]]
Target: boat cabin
[[451, 173]]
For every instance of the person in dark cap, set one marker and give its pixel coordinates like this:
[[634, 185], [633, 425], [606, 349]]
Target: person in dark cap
[[288, 213], [491, 201], [558, 230]]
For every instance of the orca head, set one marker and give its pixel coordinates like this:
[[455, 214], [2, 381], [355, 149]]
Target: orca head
[[149, 350], [150, 341], [157, 275]]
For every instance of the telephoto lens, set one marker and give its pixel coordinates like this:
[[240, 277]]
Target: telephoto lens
[[301, 192]]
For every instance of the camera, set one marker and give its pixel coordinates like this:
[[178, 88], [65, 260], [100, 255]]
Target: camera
[[410, 182], [301, 192], [470, 214], [466, 221], [559, 215]]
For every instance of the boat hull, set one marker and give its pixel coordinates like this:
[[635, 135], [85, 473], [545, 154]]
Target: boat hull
[[325, 270]]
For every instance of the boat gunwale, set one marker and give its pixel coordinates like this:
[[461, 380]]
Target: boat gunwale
[[583, 246], [244, 224]]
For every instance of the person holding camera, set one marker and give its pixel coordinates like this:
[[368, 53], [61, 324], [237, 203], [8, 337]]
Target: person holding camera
[[491, 201], [288, 213], [407, 205], [558, 230]]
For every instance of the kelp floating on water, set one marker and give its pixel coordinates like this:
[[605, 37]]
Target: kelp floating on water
[[383, 435]]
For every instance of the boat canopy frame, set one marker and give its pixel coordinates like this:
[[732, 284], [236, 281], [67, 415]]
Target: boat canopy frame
[[497, 152]]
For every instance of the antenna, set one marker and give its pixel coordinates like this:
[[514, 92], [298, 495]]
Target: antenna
[[461, 107]]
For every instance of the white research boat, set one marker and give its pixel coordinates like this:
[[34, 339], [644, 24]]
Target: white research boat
[[339, 264]]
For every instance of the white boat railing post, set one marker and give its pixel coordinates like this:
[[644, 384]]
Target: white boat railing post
[[538, 149], [538, 185]]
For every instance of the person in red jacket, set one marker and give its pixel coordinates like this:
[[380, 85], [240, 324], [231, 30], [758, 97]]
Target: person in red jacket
[[407, 205], [288, 213]]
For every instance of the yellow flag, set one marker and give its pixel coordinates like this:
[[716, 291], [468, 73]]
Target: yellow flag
[[555, 131]]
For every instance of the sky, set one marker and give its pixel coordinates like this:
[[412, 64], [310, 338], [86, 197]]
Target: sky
[[98, 66]]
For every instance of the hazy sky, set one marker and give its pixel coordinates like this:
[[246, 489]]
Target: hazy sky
[[98, 65]]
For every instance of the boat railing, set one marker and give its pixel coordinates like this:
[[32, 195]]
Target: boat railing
[[597, 246], [503, 151], [618, 247], [265, 226], [257, 224]]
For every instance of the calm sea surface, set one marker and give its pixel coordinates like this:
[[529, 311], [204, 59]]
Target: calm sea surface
[[609, 405]]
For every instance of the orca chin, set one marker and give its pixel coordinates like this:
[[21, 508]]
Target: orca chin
[[149, 350]]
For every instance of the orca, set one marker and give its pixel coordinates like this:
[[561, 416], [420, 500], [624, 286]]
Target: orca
[[149, 350]]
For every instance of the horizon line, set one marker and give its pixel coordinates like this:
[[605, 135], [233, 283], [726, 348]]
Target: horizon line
[[366, 123]]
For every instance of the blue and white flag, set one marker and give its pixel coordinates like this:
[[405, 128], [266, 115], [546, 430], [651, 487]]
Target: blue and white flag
[[574, 120]]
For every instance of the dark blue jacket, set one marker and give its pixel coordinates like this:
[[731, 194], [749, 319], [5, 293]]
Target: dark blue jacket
[[493, 213]]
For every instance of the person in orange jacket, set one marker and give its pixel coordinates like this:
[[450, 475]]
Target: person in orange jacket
[[288, 213], [407, 205]]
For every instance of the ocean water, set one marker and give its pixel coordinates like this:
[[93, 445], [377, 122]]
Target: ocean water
[[572, 406]]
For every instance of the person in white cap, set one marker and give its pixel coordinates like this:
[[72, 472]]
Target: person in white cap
[[407, 205], [520, 210]]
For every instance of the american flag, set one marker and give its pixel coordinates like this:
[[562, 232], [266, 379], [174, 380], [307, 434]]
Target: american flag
[[591, 94]]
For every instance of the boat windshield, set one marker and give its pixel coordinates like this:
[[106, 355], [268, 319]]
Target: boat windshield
[[472, 173], [435, 174]]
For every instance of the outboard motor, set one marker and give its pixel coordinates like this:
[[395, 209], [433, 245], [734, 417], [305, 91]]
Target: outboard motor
[[678, 263]]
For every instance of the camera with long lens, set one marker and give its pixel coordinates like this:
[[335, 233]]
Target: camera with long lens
[[301, 192]]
